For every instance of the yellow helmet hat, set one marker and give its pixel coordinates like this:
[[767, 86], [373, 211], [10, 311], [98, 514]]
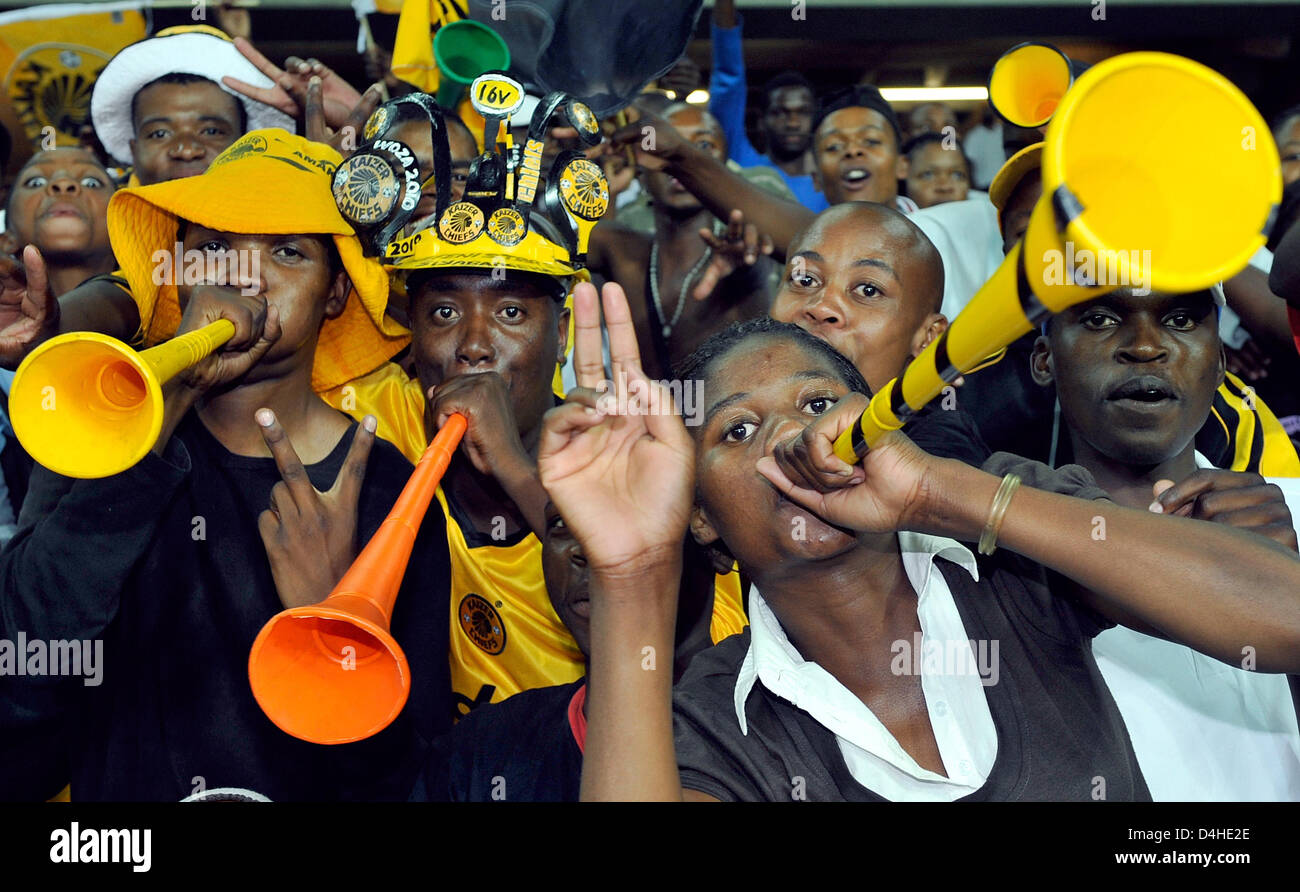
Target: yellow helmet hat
[[1028, 160], [496, 225], [269, 182]]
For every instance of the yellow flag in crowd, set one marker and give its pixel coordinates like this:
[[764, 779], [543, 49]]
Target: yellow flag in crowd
[[50, 64], [413, 49]]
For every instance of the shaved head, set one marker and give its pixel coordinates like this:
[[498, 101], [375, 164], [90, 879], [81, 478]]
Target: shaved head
[[910, 241], [864, 278]]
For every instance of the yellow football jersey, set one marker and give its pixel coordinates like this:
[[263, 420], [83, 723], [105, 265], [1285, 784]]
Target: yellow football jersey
[[1243, 434]]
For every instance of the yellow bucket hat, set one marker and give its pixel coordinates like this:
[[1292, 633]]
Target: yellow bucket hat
[[1020, 165], [270, 182]]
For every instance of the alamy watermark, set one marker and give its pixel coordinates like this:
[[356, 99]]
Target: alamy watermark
[[177, 266], [669, 398], [88, 845], [60, 657], [1083, 266], [933, 656]]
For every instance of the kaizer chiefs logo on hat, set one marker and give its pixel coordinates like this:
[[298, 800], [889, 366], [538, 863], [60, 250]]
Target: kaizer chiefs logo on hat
[[583, 117], [507, 227], [481, 622], [49, 85], [365, 188], [461, 222], [249, 145], [377, 122], [583, 189]]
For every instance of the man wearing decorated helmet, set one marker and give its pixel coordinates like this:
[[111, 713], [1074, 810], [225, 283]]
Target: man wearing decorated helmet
[[488, 287]]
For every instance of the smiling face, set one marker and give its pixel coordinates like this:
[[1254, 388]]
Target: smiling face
[[59, 203], [565, 570], [295, 273], [467, 323], [866, 280], [701, 129], [857, 157], [787, 123], [1136, 375], [936, 175], [761, 391], [180, 128]]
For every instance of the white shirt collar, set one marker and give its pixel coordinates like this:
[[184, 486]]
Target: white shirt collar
[[953, 674], [768, 639]]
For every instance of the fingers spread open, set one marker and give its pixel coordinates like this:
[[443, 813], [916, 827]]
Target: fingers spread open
[[260, 62]]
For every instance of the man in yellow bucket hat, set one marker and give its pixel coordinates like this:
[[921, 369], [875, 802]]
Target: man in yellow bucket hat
[[159, 107], [256, 497]]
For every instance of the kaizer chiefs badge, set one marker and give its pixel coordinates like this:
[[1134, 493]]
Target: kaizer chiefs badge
[[480, 621], [506, 226], [248, 145], [461, 222], [583, 118], [366, 188], [584, 190], [376, 123]]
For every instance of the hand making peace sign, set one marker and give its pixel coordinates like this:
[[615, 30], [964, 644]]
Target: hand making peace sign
[[617, 461], [311, 536]]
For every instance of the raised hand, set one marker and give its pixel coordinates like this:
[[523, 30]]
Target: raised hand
[[315, 126], [617, 462], [311, 536], [29, 311], [887, 492], [738, 247], [289, 94], [1235, 498], [655, 142]]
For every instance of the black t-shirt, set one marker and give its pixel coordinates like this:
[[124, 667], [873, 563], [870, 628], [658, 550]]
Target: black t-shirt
[[164, 562], [1060, 734], [1012, 411], [519, 750], [947, 433]]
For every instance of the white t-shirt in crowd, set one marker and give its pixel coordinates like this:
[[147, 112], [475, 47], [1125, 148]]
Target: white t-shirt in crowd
[[1204, 731], [967, 236]]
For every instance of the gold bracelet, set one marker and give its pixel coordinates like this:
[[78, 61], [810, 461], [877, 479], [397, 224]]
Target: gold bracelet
[[1001, 500]]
